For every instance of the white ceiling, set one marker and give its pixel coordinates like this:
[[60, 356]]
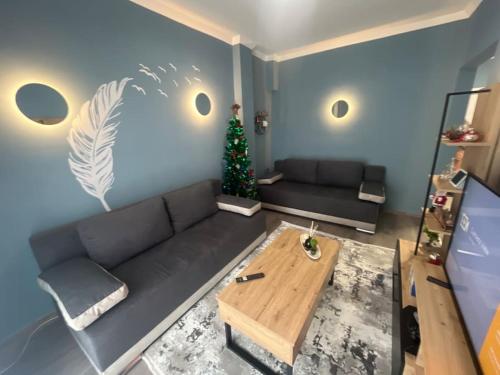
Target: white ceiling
[[282, 29]]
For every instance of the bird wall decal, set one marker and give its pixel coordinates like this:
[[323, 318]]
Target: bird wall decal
[[153, 75], [188, 81], [175, 83], [140, 89], [173, 67], [163, 93], [162, 68], [195, 68]]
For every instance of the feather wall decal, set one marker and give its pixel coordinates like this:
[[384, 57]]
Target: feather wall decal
[[195, 68], [197, 79], [188, 81], [162, 69], [173, 67], [175, 83], [92, 136]]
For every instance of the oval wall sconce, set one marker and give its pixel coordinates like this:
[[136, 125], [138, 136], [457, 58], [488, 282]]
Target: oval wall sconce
[[41, 104], [203, 104], [340, 109]]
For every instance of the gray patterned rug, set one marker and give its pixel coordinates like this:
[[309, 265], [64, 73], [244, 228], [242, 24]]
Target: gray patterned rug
[[350, 332]]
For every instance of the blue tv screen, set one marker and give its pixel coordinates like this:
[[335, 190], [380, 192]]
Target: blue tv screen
[[473, 263]]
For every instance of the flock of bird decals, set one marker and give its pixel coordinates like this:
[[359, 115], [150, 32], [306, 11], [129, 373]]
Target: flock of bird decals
[[163, 78]]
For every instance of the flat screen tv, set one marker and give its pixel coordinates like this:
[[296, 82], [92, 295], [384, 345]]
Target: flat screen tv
[[473, 268]]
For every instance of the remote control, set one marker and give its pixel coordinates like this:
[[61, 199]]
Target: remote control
[[441, 283], [255, 276]]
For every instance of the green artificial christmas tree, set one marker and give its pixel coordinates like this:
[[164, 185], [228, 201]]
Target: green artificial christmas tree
[[239, 179]]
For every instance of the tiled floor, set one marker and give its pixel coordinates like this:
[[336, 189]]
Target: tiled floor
[[52, 350]]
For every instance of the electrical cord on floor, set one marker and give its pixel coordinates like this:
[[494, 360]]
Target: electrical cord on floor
[[28, 341]]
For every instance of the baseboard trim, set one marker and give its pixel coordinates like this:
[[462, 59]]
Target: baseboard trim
[[328, 218], [122, 363]]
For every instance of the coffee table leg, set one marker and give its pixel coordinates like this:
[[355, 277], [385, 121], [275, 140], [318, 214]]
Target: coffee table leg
[[331, 278], [229, 336], [249, 358]]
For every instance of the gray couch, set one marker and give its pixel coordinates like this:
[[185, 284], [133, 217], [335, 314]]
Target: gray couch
[[342, 192], [168, 250]]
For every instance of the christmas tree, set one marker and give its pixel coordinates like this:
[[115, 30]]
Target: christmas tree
[[239, 179]]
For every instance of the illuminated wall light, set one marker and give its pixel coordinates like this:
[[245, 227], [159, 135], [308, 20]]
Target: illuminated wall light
[[200, 105], [203, 104], [42, 104], [19, 78], [340, 108]]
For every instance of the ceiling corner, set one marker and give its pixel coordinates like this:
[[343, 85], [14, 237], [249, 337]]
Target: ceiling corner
[[190, 19], [472, 7]]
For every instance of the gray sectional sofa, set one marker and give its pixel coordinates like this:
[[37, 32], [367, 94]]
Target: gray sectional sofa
[[342, 192], [155, 258]]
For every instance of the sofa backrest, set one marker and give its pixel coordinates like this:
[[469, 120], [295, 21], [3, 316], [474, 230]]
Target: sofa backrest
[[114, 237], [189, 205], [57, 245], [63, 243], [340, 173], [298, 170]]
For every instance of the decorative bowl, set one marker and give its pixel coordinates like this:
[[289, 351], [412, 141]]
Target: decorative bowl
[[302, 240]]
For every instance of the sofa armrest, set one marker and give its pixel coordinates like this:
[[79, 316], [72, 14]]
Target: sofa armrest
[[374, 173], [270, 178], [238, 205], [372, 191], [83, 290]]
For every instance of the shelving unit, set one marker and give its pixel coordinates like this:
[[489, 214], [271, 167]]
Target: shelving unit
[[465, 144], [444, 185], [443, 347], [434, 225], [477, 158]]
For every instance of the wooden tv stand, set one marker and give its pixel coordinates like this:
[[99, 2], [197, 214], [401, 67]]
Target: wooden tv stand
[[443, 346]]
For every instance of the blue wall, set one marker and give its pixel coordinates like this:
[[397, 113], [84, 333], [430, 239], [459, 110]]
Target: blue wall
[[396, 88], [161, 145]]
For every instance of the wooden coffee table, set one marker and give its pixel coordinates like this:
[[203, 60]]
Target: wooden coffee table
[[276, 311]]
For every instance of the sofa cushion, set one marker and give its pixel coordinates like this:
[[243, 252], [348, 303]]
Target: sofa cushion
[[162, 278], [270, 178], [191, 204], [83, 291], [340, 173], [372, 191], [299, 170], [116, 236], [238, 205], [339, 202]]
